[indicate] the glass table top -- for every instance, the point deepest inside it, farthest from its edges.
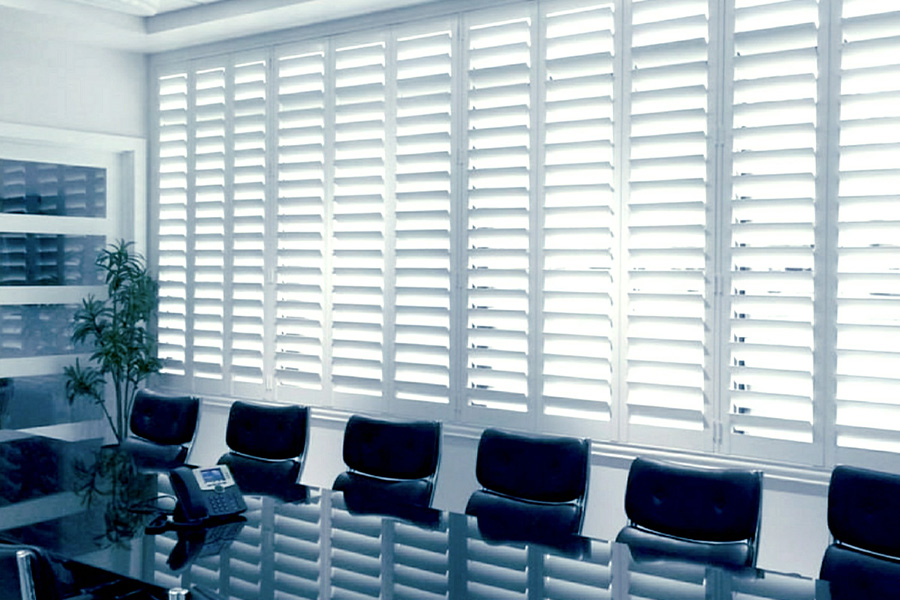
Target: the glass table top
(315, 547)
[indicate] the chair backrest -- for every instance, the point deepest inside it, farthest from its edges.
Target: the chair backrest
(859, 514)
(532, 467)
(709, 505)
(266, 431)
(163, 418)
(394, 450)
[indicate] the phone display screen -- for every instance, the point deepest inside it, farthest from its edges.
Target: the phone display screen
(212, 475)
(211, 478)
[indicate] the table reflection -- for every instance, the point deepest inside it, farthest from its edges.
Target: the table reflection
(322, 546)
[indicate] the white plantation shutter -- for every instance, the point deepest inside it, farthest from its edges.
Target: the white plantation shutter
(421, 562)
(249, 226)
(297, 551)
(493, 571)
(578, 213)
(208, 271)
(571, 578)
(172, 235)
(772, 225)
(356, 561)
(422, 216)
(868, 281)
(499, 203)
(300, 287)
(358, 219)
(666, 223)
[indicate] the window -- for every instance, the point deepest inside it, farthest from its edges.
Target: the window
(56, 218)
(662, 222)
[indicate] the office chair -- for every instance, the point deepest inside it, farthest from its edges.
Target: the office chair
(162, 428)
(266, 446)
(534, 487)
(389, 463)
(864, 520)
(710, 516)
(26, 574)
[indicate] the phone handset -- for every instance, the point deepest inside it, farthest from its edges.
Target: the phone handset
(205, 493)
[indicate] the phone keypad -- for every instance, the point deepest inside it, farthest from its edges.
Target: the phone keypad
(223, 503)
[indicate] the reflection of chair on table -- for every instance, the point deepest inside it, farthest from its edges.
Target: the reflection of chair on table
(864, 520)
(534, 488)
(162, 429)
(709, 516)
(391, 468)
(266, 446)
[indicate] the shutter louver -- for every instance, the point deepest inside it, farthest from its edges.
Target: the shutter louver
(666, 221)
(358, 220)
(249, 223)
(297, 550)
(421, 563)
(301, 220)
(493, 571)
(773, 220)
(423, 174)
(499, 203)
(355, 555)
(173, 222)
(208, 271)
(868, 281)
(567, 578)
(578, 210)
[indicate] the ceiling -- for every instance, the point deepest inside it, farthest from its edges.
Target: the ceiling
(150, 26)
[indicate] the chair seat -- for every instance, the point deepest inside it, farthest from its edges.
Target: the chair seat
(502, 517)
(415, 492)
(649, 546)
(150, 456)
(258, 477)
(856, 575)
(358, 503)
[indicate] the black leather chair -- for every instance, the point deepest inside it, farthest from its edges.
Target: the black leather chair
(390, 464)
(710, 516)
(26, 574)
(864, 519)
(266, 446)
(534, 487)
(162, 428)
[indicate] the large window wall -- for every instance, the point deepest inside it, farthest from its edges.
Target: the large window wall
(664, 222)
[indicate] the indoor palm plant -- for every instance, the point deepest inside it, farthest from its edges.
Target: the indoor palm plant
(117, 330)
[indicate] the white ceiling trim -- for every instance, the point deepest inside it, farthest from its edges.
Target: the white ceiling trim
(83, 21)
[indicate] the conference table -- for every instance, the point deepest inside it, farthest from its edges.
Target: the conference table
(93, 523)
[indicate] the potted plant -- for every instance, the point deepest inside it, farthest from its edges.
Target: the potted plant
(116, 328)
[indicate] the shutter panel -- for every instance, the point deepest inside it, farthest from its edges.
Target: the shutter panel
(172, 240)
(421, 562)
(422, 216)
(249, 226)
(499, 204)
(356, 561)
(868, 284)
(207, 274)
(773, 225)
(578, 211)
(301, 220)
(297, 550)
(358, 219)
(493, 571)
(666, 224)
(576, 578)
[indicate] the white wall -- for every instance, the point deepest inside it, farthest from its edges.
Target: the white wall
(61, 84)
